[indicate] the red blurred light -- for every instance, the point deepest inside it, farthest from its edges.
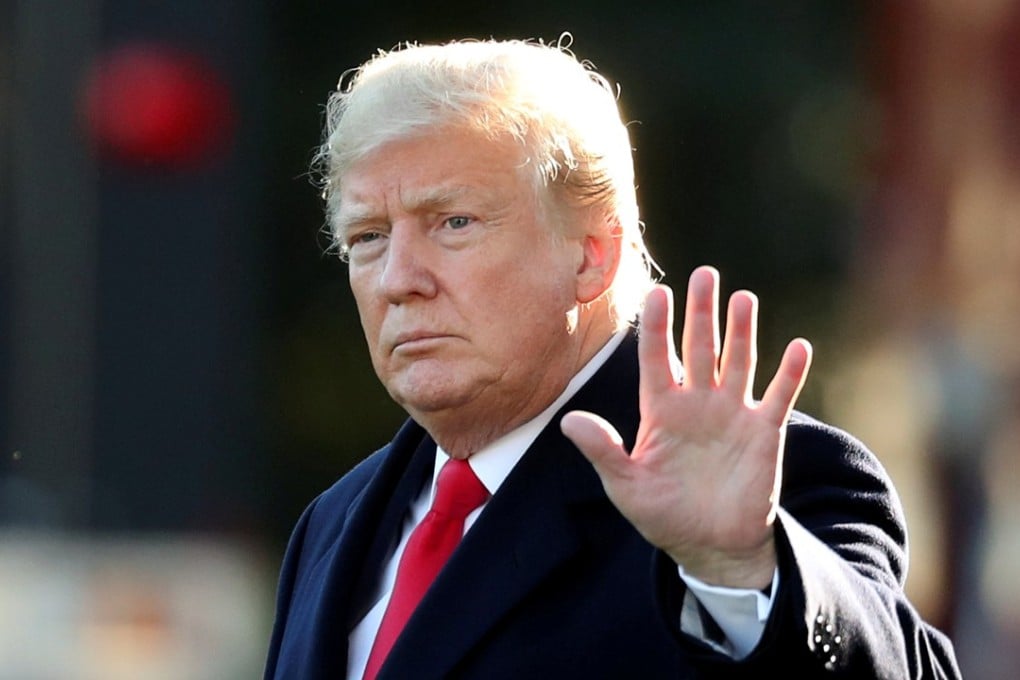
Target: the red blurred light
(148, 104)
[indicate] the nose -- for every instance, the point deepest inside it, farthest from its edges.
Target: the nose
(407, 270)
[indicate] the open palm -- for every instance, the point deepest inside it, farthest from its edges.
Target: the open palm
(702, 482)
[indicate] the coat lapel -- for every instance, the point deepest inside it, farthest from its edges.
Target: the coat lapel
(533, 525)
(392, 505)
(348, 572)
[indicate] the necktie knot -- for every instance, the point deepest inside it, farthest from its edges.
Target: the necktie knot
(458, 490)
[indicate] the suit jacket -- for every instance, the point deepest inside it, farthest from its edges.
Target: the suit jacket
(552, 581)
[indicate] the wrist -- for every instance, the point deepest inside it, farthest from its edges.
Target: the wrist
(752, 570)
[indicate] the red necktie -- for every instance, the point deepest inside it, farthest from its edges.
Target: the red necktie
(458, 492)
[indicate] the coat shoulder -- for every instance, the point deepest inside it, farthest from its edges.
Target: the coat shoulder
(332, 505)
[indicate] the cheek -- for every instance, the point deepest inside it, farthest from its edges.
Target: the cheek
(526, 305)
(361, 288)
(370, 313)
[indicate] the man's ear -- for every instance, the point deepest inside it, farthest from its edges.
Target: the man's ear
(600, 258)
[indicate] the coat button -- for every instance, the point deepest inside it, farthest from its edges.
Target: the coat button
(826, 642)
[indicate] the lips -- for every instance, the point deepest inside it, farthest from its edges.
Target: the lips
(410, 338)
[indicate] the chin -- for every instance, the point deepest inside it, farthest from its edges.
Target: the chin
(431, 387)
(429, 396)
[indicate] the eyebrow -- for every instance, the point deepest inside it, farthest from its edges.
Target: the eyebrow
(351, 216)
(431, 199)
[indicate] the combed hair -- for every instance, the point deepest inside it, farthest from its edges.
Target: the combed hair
(561, 110)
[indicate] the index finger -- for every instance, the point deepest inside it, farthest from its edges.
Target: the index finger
(656, 350)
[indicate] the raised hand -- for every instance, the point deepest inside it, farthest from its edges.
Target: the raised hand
(703, 480)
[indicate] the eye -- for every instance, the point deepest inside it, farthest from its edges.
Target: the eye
(360, 244)
(458, 221)
(362, 238)
(365, 237)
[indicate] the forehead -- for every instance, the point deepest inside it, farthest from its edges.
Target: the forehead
(438, 167)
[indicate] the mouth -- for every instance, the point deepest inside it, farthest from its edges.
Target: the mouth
(417, 340)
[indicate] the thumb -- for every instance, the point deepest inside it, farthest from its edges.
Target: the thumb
(598, 440)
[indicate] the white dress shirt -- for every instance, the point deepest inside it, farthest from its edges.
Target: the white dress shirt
(741, 614)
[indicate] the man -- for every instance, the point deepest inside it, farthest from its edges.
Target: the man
(636, 520)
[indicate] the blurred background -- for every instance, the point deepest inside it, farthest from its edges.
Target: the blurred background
(181, 366)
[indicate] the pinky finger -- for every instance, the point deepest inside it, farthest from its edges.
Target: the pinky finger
(782, 392)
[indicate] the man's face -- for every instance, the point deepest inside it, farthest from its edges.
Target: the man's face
(465, 291)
